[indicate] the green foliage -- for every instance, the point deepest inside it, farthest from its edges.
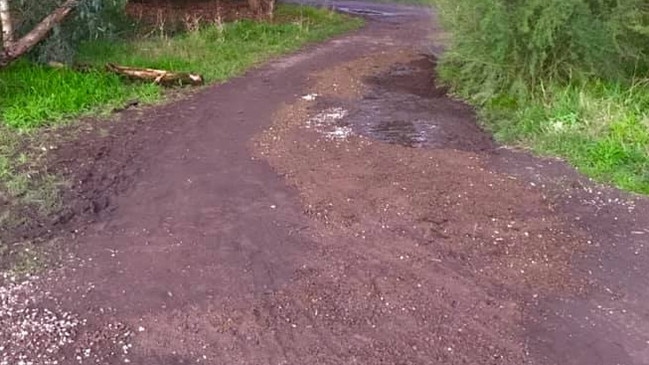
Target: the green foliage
(564, 77)
(518, 45)
(601, 127)
(92, 19)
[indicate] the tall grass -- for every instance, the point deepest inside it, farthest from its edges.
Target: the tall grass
(564, 77)
(516, 46)
(32, 95)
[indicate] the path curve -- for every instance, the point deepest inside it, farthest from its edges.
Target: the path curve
(336, 207)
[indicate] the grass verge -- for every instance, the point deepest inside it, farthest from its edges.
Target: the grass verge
(33, 95)
(600, 127)
(220, 51)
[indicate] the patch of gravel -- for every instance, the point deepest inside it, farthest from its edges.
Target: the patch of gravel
(35, 329)
(30, 332)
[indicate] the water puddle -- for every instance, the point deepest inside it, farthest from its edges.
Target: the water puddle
(405, 133)
(396, 118)
(402, 107)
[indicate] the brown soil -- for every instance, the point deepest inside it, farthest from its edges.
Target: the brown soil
(336, 207)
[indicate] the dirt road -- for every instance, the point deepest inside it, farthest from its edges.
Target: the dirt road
(336, 207)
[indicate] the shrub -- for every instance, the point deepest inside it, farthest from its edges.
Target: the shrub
(517, 46)
(563, 77)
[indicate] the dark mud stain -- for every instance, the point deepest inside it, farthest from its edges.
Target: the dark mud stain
(405, 106)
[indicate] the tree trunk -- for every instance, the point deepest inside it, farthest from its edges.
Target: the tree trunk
(6, 23)
(262, 9)
(162, 77)
(14, 49)
(255, 7)
(269, 8)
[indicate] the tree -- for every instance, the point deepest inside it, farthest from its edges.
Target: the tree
(58, 40)
(12, 47)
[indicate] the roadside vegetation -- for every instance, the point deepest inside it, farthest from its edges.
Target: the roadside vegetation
(564, 78)
(38, 96)
(34, 94)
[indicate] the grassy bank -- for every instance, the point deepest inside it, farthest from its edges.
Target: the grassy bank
(600, 127)
(563, 78)
(221, 51)
(33, 95)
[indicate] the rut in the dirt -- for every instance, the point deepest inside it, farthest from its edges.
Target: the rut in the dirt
(337, 207)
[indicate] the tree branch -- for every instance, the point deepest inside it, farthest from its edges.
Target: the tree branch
(14, 49)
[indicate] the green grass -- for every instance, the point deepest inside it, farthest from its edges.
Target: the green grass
(600, 127)
(33, 95)
(219, 52)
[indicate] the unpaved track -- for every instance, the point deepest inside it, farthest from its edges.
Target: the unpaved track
(375, 224)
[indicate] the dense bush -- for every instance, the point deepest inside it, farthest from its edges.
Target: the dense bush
(519, 45)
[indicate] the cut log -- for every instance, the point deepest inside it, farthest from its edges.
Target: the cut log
(162, 77)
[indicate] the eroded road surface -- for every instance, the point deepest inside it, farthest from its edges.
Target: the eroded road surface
(337, 207)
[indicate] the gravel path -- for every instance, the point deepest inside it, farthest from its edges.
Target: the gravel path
(334, 207)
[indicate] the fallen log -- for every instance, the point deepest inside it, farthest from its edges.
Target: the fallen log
(162, 77)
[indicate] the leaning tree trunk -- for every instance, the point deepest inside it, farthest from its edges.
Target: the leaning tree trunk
(6, 24)
(12, 48)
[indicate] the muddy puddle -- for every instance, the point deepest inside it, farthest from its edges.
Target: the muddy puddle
(404, 106)
(409, 124)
